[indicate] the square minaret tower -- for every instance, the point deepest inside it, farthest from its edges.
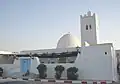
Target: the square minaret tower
(89, 29)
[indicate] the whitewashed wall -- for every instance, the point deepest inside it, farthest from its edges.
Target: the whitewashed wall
(51, 70)
(6, 52)
(35, 63)
(10, 69)
(114, 64)
(92, 62)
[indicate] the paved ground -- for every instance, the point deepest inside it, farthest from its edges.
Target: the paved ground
(28, 82)
(13, 81)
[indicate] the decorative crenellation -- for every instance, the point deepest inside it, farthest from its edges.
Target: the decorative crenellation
(89, 13)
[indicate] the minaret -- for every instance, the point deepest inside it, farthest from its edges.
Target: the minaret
(89, 29)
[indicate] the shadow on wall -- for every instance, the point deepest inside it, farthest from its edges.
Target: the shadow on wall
(6, 59)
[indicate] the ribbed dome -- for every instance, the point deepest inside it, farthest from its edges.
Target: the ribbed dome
(67, 41)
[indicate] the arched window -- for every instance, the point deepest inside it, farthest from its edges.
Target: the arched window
(86, 27)
(90, 27)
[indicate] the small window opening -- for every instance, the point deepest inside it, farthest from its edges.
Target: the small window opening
(90, 27)
(105, 53)
(86, 27)
(117, 54)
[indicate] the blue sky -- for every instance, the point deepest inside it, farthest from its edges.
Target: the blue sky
(38, 24)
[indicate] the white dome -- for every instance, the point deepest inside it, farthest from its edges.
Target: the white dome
(67, 41)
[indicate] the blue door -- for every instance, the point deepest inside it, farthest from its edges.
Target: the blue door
(25, 65)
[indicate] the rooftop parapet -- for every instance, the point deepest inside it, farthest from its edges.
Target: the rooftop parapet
(89, 13)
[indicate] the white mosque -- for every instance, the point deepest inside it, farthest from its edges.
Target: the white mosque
(69, 43)
(86, 55)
